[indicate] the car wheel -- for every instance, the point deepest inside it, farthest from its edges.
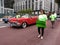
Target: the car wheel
(24, 25)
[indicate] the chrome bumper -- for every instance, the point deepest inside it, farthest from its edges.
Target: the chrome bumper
(15, 24)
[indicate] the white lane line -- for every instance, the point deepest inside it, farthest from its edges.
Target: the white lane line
(3, 26)
(58, 18)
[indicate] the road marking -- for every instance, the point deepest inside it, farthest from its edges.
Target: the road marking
(3, 26)
(58, 18)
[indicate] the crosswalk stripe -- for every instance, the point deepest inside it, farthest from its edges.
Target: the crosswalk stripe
(3, 26)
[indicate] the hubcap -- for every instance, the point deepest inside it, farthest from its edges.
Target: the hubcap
(24, 25)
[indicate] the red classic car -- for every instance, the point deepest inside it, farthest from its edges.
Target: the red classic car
(23, 20)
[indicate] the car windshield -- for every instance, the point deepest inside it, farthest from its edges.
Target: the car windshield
(26, 16)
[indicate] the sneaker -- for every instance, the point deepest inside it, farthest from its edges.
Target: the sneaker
(41, 37)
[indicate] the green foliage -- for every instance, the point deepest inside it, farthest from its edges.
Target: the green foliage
(57, 1)
(29, 11)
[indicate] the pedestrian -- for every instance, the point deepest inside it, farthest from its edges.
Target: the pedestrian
(49, 15)
(41, 23)
(18, 15)
(53, 17)
(55, 14)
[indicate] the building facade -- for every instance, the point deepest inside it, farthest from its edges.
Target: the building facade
(8, 3)
(4, 10)
(1, 6)
(36, 5)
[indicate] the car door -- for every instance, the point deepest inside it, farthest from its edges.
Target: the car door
(32, 20)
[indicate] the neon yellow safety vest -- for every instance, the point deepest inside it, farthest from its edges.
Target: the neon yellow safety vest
(53, 17)
(17, 16)
(42, 17)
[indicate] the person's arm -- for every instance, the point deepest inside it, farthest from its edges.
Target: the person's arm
(46, 18)
(55, 15)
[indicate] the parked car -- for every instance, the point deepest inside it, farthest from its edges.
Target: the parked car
(23, 21)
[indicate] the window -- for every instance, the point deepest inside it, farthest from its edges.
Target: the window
(36, 6)
(26, 4)
(8, 12)
(5, 11)
(32, 0)
(2, 3)
(11, 12)
(16, 7)
(36, 0)
(40, 5)
(32, 4)
(1, 10)
(29, 3)
(23, 5)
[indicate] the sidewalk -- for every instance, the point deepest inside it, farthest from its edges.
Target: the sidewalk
(0, 19)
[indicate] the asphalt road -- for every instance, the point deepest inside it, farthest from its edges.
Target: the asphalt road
(2, 24)
(28, 36)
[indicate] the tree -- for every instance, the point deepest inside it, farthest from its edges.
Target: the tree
(29, 11)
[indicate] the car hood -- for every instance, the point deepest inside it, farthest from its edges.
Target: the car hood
(15, 19)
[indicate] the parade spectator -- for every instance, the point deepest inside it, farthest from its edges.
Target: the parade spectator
(53, 17)
(41, 23)
(49, 15)
(18, 15)
(55, 14)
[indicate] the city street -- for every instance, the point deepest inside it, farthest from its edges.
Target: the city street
(28, 36)
(23, 13)
(2, 24)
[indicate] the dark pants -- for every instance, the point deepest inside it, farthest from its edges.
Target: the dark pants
(42, 30)
(52, 22)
